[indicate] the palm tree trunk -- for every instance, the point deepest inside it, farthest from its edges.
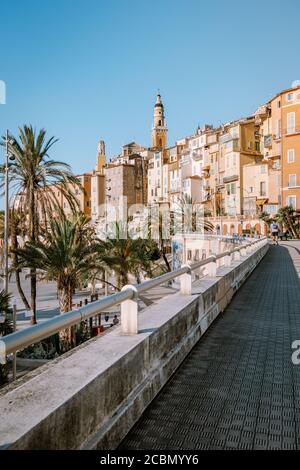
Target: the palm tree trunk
(14, 243)
(66, 336)
(20, 290)
(291, 225)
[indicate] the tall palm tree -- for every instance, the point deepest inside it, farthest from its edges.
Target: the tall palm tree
(286, 216)
(66, 253)
(36, 179)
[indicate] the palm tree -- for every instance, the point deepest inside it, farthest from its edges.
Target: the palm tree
(36, 179)
(125, 255)
(6, 327)
(189, 216)
(286, 216)
(66, 253)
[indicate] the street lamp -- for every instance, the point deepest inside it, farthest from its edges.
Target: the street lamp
(8, 157)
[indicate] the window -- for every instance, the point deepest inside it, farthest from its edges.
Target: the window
(292, 180)
(278, 128)
(290, 117)
(278, 104)
(263, 188)
(290, 96)
(291, 201)
(291, 155)
(189, 255)
(263, 169)
(231, 189)
(257, 146)
(251, 189)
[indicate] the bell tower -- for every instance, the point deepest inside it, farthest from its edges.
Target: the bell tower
(159, 129)
(101, 158)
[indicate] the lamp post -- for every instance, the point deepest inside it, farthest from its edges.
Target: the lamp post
(107, 196)
(6, 216)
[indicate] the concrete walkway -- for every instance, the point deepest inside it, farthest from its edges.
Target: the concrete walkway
(238, 388)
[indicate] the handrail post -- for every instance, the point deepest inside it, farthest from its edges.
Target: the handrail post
(212, 268)
(227, 260)
(244, 251)
(186, 281)
(129, 312)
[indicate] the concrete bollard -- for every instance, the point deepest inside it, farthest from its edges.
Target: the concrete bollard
(244, 251)
(212, 268)
(129, 313)
(186, 281)
(227, 261)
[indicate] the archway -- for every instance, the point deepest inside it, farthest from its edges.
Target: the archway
(225, 230)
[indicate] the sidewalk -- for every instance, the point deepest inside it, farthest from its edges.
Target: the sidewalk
(238, 388)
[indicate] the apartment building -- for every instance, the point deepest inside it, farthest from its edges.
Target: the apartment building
(158, 177)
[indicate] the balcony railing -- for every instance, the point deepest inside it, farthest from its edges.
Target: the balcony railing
(291, 130)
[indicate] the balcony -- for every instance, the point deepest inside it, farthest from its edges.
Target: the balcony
(232, 146)
(229, 179)
(291, 131)
(227, 138)
(197, 156)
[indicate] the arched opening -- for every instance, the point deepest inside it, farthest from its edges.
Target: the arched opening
(218, 230)
(240, 229)
(160, 143)
(159, 122)
(231, 229)
(225, 230)
(257, 229)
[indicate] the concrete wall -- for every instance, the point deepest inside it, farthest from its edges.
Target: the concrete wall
(90, 398)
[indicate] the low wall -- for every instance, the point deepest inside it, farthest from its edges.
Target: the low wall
(90, 398)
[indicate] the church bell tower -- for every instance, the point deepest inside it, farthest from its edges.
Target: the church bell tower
(159, 129)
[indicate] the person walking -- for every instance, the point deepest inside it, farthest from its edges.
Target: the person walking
(274, 231)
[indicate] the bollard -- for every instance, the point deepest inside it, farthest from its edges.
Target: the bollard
(244, 251)
(129, 312)
(227, 261)
(186, 281)
(212, 268)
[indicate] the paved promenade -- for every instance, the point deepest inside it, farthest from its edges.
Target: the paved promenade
(238, 388)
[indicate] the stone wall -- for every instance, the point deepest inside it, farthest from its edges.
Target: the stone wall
(90, 398)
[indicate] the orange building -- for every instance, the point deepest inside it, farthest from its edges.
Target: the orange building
(281, 140)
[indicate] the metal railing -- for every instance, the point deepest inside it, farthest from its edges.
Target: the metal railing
(127, 297)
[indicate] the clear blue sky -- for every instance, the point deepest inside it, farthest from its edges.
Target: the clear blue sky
(90, 69)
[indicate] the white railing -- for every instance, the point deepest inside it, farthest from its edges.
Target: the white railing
(127, 297)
